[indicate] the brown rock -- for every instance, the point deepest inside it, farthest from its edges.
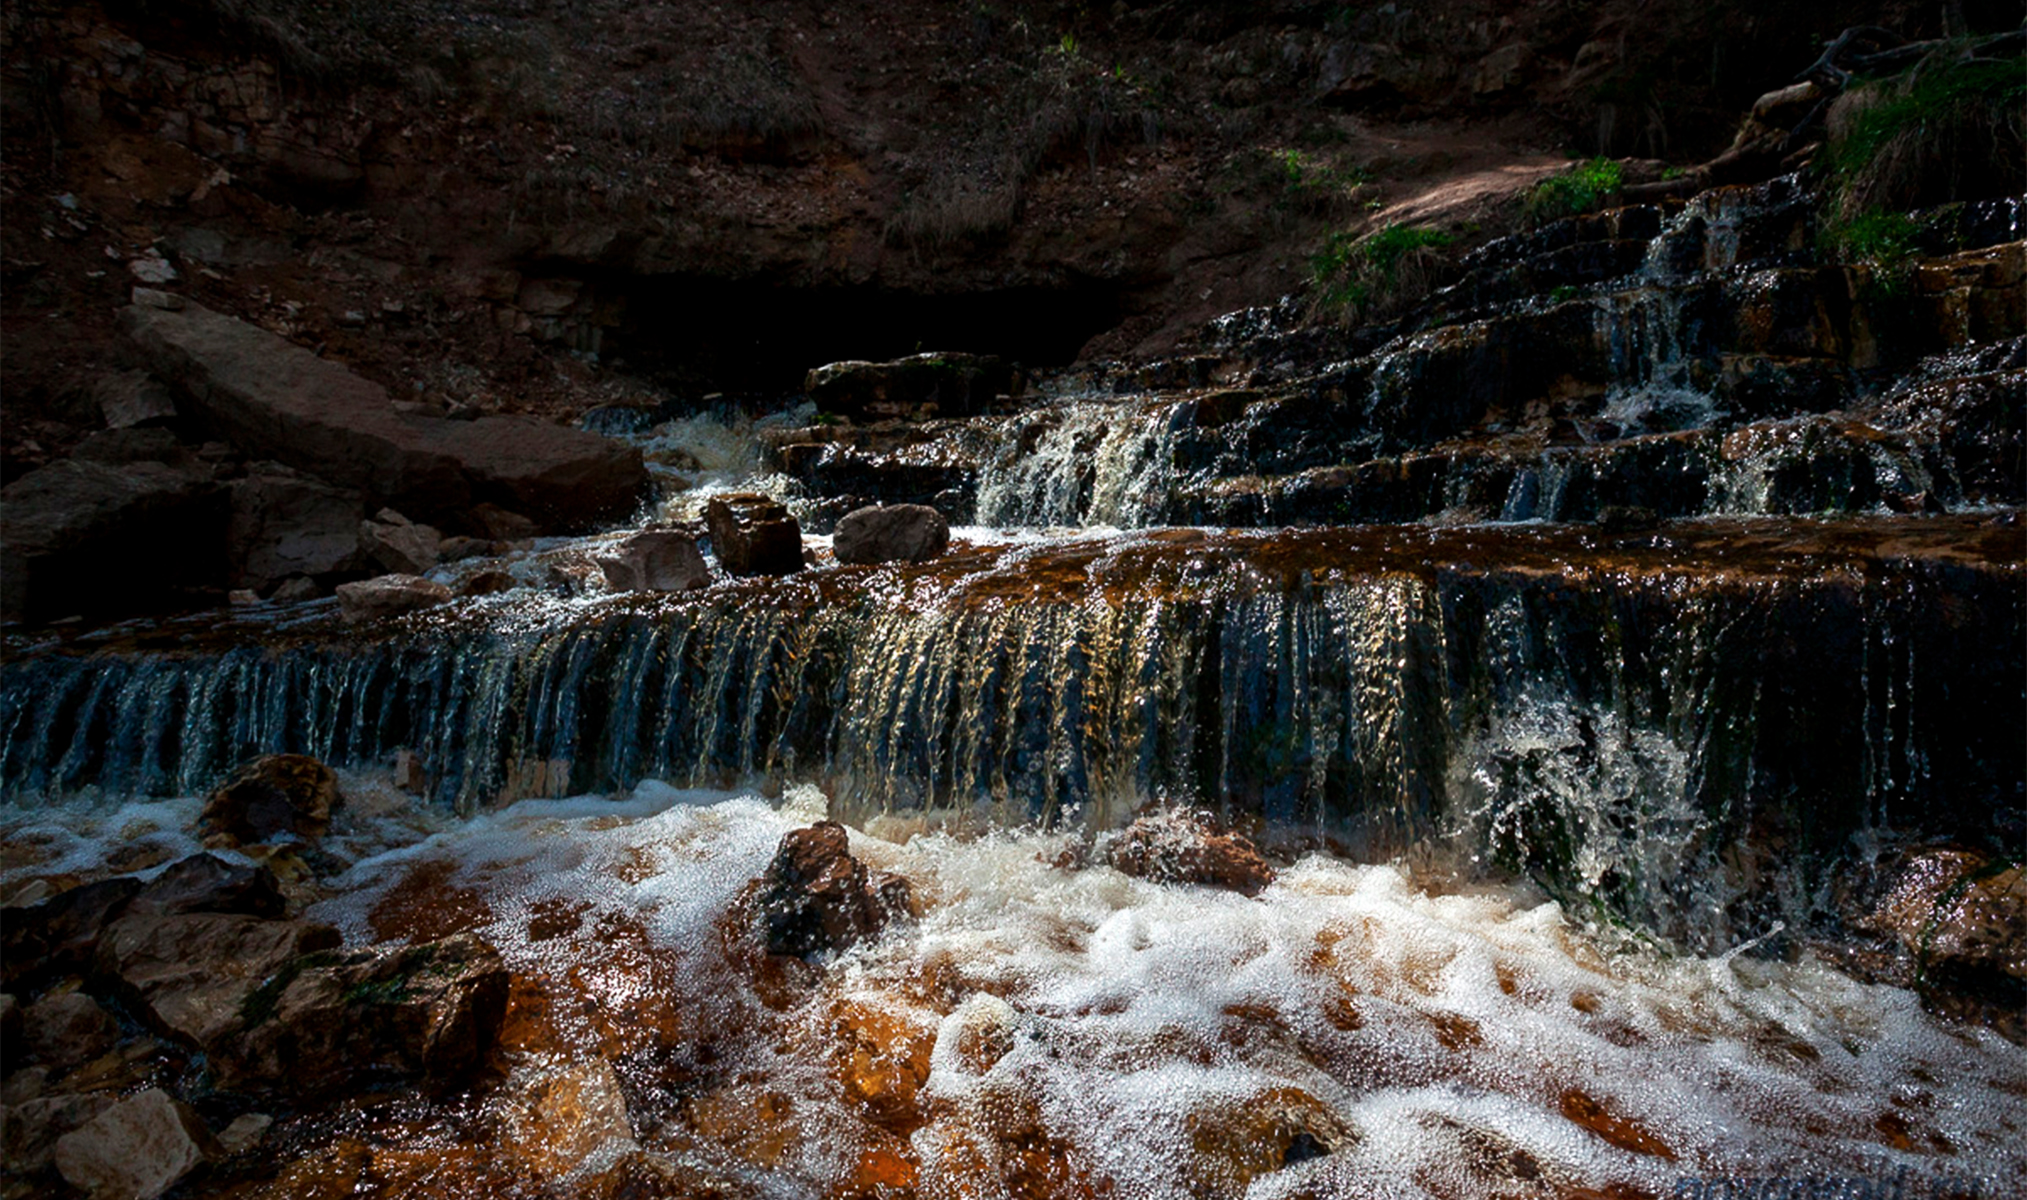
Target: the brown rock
(140, 1147)
(277, 797)
(815, 897)
(86, 537)
(63, 1030)
(657, 560)
(501, 525)
(278, 400)
(208, 883)
(389, 596)
(285, 525)
(431, 1011)
(569, 1121)
(488, 583)
(883, 1060)
(57, 935)
(457, 549)
(753, 535)
(954, 385)
(190, 976)
(1958, 908)
(891, 533)
(32, 1127)
(1580, 1108)
(1240, 1141)
(1180, 847)
(404, 548)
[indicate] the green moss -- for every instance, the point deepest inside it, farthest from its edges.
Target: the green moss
(1580, 189)
(260, 1003)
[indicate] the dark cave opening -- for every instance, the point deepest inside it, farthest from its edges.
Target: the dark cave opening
(758, 338)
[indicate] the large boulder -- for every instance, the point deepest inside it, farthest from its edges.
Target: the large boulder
(56, 936)
(389, 596)
(657, 560)
(429, 1011)
(891, 533)
(208, 883)
(89, 537)
(274, 798)
(284, 525)
(947, 384)
(815, 897)
(278, 400)
(753, 535)
(138, 1148)
(191, 976)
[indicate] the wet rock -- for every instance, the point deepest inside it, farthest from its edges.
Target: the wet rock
(86, 537)
(278, 400)
(657, 560)
(753, 535)
(569, 1121)
(1956, 908)
(883, 1056)
(457, 549)
(132, 399)
(1238, 1142)
(488, 583)
(32, 1126)
(891, 533)
(404, 547)
(65, 1029)
(389, 596)
(208, 883)
(57, 935)
(283, 525)
(815, 897)
(950, 384)
(157, 298)
(191, 976)
(10, 1019)
(1582, 1109)
(117, 447)
(139, 1148)
(1178, 847)
(277, 797)
(328, 1020)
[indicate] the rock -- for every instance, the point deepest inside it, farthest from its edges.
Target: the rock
(657, 560)
(957, 385)
(139, 1148)
(157, 298)
(429, 1011)
(86, 537)
(410, 775)
(208, 883)
(389, 596)
(405, 548)
(278, 400)
(753, 535)
(191, 976)
(457, 549)
(284, 526)
(243, 1134)
(296, 589)
(1178, 847)
(152, 268)
(274, 798)
(815, 897)
(10, 1021)
(883, 1055)
(501, 525)
(488, 583)
(891, 533)
(119, 447)
(57, 935)
(1239, 1141)
(32, 1126)
(61, 1031)
(131, 399)
(242, 596)
(1958, 909)
(569, 1121)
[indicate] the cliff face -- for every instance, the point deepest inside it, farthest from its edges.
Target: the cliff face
(513, 205)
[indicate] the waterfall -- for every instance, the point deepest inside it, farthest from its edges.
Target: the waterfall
(1604, 729)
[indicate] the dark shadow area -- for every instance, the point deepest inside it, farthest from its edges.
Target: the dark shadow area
(761, 338)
